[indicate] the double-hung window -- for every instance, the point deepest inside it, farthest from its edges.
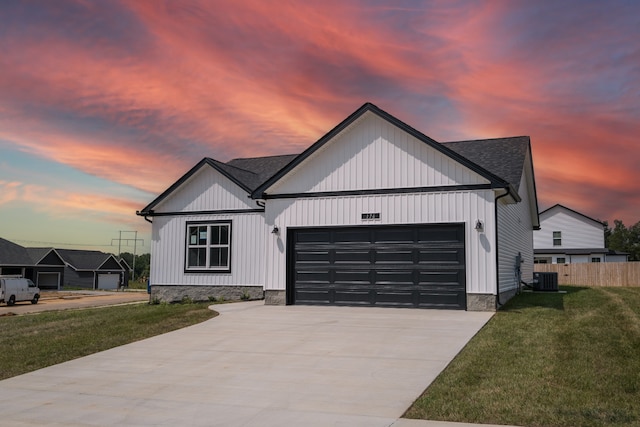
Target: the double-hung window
(557, 238)
(209, 247)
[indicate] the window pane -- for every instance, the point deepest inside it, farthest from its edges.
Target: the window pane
(202, 235)
(215, 235)
(219, 257)
(193, 235)
(197, 257)
(224, 234)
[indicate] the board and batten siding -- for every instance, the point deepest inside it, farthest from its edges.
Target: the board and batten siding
(168, 246)
(515, 235)
(413, 208)
(374, 154)
(577, 231)
(206, 190)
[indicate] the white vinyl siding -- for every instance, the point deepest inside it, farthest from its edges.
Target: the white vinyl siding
(247, 251)
(206, 190)
(577, 231)
(374, 154)
(415, 208)
(515, 235)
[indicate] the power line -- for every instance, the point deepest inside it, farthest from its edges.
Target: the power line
(57, 243)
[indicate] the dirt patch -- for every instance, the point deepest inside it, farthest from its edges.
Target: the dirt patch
(62, 300)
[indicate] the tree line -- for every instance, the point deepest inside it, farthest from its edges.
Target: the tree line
(141, 270)
(623, 239)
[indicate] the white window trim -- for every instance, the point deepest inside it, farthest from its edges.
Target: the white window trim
(208, 246)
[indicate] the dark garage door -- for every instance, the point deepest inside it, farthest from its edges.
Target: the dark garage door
(395, 266)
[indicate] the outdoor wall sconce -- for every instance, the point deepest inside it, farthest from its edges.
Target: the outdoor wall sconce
(275, 230)
(479, 226)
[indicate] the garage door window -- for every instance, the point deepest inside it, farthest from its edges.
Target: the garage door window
(208, 247)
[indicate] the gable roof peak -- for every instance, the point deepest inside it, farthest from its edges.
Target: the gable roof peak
(496, 181)
(558, 205)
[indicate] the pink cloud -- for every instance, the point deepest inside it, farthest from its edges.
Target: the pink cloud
(234, 79)
(63, 204)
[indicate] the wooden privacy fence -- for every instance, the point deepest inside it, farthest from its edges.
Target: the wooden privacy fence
(595, 273)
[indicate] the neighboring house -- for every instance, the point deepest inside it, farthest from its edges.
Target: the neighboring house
(567, 236)
(373, 213)
(43, 266)
(93, 269)
(127, 271)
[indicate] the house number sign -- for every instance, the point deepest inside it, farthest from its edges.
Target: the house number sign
(375, 215)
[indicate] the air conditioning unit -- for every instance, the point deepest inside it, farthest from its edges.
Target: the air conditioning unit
(545, 281)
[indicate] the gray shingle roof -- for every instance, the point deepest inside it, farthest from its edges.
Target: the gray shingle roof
(503, 157)
(83, 260)
(12, 254)
(36, 254)
(260, 168)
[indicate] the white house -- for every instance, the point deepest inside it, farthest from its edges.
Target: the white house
(374, 213)
(567, 236)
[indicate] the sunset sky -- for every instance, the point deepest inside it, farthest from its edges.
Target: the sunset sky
(104, 104)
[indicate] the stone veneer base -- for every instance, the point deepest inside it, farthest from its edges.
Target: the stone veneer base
(176, 293)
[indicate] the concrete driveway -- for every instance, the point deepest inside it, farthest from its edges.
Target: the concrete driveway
(254, 365)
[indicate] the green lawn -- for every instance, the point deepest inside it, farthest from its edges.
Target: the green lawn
(35, 341)
(547, 360)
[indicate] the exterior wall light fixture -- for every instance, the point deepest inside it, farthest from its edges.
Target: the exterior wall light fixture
(479, 226)
(275, 230)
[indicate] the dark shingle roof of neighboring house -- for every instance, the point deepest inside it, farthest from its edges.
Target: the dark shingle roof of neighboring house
(503, 157)
(37, 254)
(83, 260)
(12, 254)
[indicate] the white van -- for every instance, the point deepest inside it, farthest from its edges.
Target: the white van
(14, 289)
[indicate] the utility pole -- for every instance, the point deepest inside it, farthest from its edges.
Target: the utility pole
(127, 240)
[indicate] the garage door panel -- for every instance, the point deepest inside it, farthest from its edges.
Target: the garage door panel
(405, 256)
(108, 281)
(353, 256)
(48, 280)
(352, 276)
(313, 276)
(443, 256)
(449, 300)
(440, 277)
(395, 298)
(350, 236)
(398, 235)
(379, 265)
(314, 295)
(316, 257)
(397, 277)
(317, 236)
(352, 296)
